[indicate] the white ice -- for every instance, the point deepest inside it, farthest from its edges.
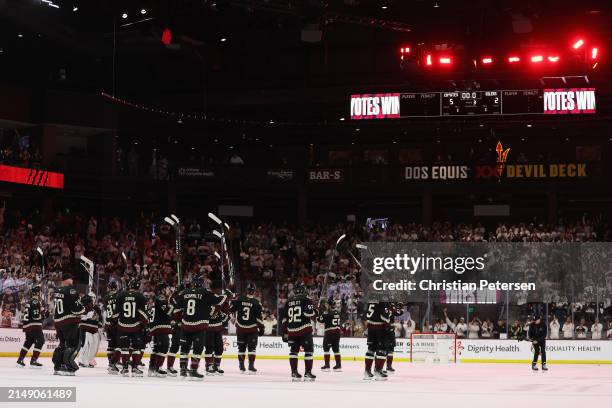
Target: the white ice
(413, 385)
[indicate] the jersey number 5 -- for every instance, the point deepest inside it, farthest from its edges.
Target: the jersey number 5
(371, 310)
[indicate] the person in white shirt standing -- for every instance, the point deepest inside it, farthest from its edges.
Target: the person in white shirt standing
(474, 328)
(596, 330)
(568, 328)
(582, 330)
(487, 329)
(554, 328)
(609, 332)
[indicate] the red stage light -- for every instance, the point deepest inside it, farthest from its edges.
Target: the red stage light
(553, 58)
(537, 58)
(594, 52)
(445, 60)
(405, 50)
(578, 44)
(487, 60)
(428, 60)
(514, 59)
(166, 37)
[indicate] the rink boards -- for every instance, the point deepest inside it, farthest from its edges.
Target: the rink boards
(468, 350)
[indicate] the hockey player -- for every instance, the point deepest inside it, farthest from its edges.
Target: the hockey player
(67, 309)
(132, 320)
(113, 351)
(90, 322)
(331, 339)
(33, 317)
(537, 336)
(249, 324)
(378, 318)
(175, 325)
(214, 341)
(160, 316)
(194, 308)
(395, 310)
(297, 316)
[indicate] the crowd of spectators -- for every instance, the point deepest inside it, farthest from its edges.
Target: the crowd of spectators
(18, 149)
(274, 256)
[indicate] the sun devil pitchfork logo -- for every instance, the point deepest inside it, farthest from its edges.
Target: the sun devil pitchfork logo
(502, 156)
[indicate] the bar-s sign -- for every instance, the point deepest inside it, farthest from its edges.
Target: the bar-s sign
(375, 106)
(569, 101)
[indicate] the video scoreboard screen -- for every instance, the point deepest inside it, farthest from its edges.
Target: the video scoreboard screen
(473, 103)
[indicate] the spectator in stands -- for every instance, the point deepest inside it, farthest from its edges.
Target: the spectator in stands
(568, 328)
(554, 328)
(609, 333)
(516, 331)
(596, 330)
(582, 330)
(487, 329)
(474, 328)
(441, 326)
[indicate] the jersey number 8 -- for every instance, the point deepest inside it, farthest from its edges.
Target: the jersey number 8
(191, 303)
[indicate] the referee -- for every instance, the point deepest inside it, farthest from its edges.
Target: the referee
(537, 335)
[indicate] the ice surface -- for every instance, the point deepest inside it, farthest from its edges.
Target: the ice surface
(423, 385)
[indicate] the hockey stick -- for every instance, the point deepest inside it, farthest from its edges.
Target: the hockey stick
(331, 262)
(89, 267)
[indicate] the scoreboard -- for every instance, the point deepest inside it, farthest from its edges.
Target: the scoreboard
(473, 103)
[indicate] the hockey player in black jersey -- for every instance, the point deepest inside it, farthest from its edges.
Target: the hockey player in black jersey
(249, 324)
(194, 307)
(214, 340)
(296, 320)
(175, 325)
(132, 320)
(331, 339)
(378, 317)
(537, 335)
(113, 351)
(67, 309)
(395, 310)
(160, 316)
(33, 317)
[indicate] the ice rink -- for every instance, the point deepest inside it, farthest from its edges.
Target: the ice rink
(457, 385)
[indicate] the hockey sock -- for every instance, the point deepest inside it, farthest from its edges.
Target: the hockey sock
(308, 362)
(183, 362)
(208, 358)
(252, 360)
(195, 363)
(153, 360)
(369, 359)
(35, 354)
(125, 357)
(326, 358)
(136, 357)
(293, 362)
(389, 360)
(22, 353)
(380, 363)
(218, 361)
(240, 359)
(159, 361)
(338, 359)
(116, 356)
(170, 360)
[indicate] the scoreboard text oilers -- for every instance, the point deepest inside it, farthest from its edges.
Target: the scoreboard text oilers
(474, 103)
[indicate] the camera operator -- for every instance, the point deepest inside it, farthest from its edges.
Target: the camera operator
(537, 334)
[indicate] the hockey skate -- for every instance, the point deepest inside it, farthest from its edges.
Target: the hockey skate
(113, 369)
(194, 375)
(125, 371)
(295, 376)
(379, 375)
(241, 368)
(20, 363)
(337, 369)
(326, 368)
(534, 367)
(137, 372)
(367, 375)
(35, 364)
(390, 370)
(252, 370)
(172, 372)
(544, 367)
(183, 373)
(309, 377)
(218, 370)
(210, 370)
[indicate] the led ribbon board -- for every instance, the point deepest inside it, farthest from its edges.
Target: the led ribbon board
(32, 177)
(473, 103)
